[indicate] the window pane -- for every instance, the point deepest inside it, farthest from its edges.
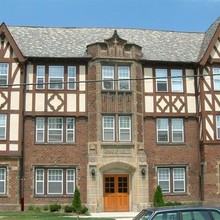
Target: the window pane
(70, 180)
(40, 129)
(216, 78)
(2, 180)
(177, 130)
(3, 74)
(108, 128)
(164, 179)
(107, 77)
(124, 73)
(161, 80)
(55, 129)
(179, 179)
(176, 80)
(71, 77)
(56, 77)
(70, 130)
(2, 126)
(40, 77)
(55, 181)
(218, 126)
(39, 181)
(125, 128)
(162, 130)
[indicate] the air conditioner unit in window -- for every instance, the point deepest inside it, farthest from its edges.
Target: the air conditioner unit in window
(108, 85)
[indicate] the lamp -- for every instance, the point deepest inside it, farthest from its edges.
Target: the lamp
(93, 172)
(143, 171)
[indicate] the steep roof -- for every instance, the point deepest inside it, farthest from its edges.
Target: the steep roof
(72, 42)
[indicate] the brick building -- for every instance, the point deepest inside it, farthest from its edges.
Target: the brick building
(115, 112)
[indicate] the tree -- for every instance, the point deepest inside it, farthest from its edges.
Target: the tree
(158, 197)
(76, 203)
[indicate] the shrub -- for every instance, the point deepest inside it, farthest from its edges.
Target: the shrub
(158, 197)
(46, 208)
(76, 203)
(33, 208)
(172, 203)
(55, 207)
(84, 210)
(68, 208)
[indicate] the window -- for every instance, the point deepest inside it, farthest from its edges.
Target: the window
(2, 181)
(161, 80)
(108, 77)
(3, 74)
(56, 77)
(40, 77)
(123, 77)
(216, 78)
(218, 126)
(3, 127)
(172, 180)
(71, 77)
(123, 126)
(54, 181)
(176, 80)
(170, 130)
(55, 129)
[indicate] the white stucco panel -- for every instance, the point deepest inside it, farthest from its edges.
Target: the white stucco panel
(148, 82)
(190, 83)
(15, 101)
(14, 127)
(163, 104)
(55, 102)
(7, 54)
(4, 100)
(208, 107)
(17, 75)
(209, 128)
(82, 102)
(28, 102)
(82, 78)
(30, 75)
(191, 104)
(13, 147)
(149, 104)
(39, 102)
(71, 102)
(2, 147)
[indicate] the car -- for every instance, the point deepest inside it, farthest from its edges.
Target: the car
(179, 213)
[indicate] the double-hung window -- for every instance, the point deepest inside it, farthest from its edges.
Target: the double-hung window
(108, 123)
(3, 74)
(108, 77)
(124, 128)
(40, 78)
(124, 78)
(39, 181)
(172, 180)
(55, 181)
(3, 123)
(176, 80)
(216, 78)
(55, 129)
(71, 77)
(56, 77)
(70, 181)
(218, 126)
(2, 181)
(170, 130)
(161, 80)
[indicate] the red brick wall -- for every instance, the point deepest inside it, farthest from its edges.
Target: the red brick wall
(174, 155)
(55, 155)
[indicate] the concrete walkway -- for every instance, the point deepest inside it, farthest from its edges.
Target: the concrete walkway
(115, 215)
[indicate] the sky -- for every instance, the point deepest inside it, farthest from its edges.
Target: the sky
(172, 15)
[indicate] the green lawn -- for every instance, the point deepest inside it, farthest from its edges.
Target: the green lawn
(43, 216)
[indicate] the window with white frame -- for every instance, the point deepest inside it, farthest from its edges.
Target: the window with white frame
(56, 77)
(170, 130)
(172, 180)
(3, 74)
(40, 77)
(124, 78)
(218, 126)
(71, 77)
(116, 128)
(216, 78)
(176, 80)
(3, 123)
(2, 181)
(55, 129)
(161, 80)
(53, 181)
(108, 77)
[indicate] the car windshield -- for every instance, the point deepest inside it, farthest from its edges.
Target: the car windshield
(143, 215)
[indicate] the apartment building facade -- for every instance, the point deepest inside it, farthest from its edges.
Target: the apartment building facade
(114, 112)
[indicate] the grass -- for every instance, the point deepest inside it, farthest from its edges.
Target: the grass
(43, 216)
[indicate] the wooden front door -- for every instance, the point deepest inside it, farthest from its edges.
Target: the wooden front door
(116, 192)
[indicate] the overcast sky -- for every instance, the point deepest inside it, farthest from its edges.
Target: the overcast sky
(173, 15)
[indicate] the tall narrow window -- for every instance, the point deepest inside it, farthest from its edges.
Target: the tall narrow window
(218, 126)
(70, 130)
(55, 129)
(161, 80)
(108, 77)
(2, 181)
(56, 77)
(40, 77)
(216, 78)
(3, 74)
(176, 80)
(70, 181)
(2, 126)
(123, 78)
(55, 181)
(124, 128)
(164, 179)
(71, 77)
(39, 184)
(162, 130)
(40, 129)
(179, 180)
(177, 130)
(108, 128)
